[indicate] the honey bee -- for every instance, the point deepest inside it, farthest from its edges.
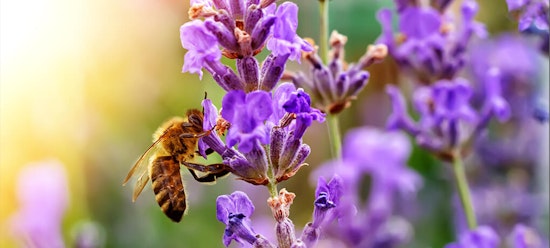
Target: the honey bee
(175, 144)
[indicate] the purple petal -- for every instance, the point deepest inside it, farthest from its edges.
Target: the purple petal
(224, 206)
(202, 46)
(384, 16)
(242, 203)
(419, 23)
(281, 95)
(284, 40)
(210, 114)
(231, 103)
(259, 103)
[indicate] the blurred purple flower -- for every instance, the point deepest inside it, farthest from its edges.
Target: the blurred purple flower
(285, 40)
(495, 104)
(202, 46)
(518, 76)
(447, 120)
(335, 85)
(399, 118)
(530, 12)
(451, 102)
(428, 46)
(42, 191)
(521, 207)
(246, 113)
(234, 211)
(327, 197)
(421, 24)
(382, 156)
(525, 237)
(482, 237)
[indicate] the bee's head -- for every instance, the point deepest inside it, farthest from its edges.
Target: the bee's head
(194, 116)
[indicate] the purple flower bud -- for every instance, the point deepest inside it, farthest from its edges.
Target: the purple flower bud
(285, 233)
(202, 46)
(272, 71)
(225, 76)
(262, 31)
(237, 9)
(285, 40)
(225, 37)
(249, 71)
(246, 113)
(234, 211)
(276, 146)
(253, 15)
(280, 207)
(482, 237)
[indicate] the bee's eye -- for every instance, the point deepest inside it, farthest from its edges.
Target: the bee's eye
(195, 120)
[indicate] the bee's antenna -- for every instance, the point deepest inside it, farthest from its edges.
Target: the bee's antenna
(203, 100)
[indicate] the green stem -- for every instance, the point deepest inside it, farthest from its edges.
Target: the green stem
(272, 183)
(464, 190)
(272, 188)
(323, 42)
(333, 124)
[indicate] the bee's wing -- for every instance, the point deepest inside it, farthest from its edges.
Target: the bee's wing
(140, 168)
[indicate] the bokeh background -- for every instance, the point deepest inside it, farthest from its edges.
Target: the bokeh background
(87, 83)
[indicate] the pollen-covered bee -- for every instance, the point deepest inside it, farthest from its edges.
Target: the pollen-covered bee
(175, 144)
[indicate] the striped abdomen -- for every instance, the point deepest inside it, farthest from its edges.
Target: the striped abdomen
(168, 187)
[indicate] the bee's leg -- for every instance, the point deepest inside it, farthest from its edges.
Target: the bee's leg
(213, 171)
(195, 135)
(208, 178)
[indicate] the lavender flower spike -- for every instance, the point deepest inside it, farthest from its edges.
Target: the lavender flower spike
(285, 40)
(234, 211)
(202, 46)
